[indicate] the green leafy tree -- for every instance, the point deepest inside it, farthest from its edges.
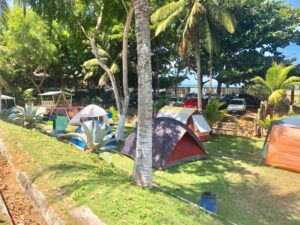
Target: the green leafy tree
(194, 17)
(275, 84)
(262, 28)
(30, 46)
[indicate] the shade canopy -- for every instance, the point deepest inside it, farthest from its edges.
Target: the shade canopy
(90, 111)
(5, 97)
(54, 93)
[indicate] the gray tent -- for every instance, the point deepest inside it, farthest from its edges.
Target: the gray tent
(173, 143)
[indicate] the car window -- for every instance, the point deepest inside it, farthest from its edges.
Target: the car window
(237, 102)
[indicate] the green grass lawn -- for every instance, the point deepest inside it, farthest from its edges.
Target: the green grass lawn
(70, 178)
(247, 193)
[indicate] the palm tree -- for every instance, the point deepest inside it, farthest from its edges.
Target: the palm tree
(213, 113)
(194, 17)
(3, 9)
(4, 6)
(275, 84)
(143, 161)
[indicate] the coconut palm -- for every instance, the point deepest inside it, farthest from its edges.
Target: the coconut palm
(274, 86)
(95, 137)
(26, 116)
(195, 17)
(143, 162)
(213, 112)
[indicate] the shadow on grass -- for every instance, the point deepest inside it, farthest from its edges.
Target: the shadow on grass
(243, 195)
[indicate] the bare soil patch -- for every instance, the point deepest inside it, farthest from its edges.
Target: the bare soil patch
(18, 203)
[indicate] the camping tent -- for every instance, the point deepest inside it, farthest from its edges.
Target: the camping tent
(190, 117)
(282, 145)
(173, 143)
(90, 111)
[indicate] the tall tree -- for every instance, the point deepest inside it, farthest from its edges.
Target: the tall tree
(193, 16)
(29, 44)
(143, 162)
(129, 14)
(122, 106)
(262, 29)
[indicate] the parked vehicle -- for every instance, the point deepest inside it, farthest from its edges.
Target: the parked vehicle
(193, 103)
(237, 105)
(251, 101)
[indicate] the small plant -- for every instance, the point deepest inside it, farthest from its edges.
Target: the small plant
(95, 138)
(159, 103)
(26, 116)
(267, 121)
(213, 112)
(114, 113)
(28, 95)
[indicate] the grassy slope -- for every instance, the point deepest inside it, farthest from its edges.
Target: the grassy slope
(247, 193)
(71, 178)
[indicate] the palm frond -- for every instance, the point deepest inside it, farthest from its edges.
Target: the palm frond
(283, 74)
(114, 68)
(262, 83)
(90, 63)
(276, 96)
(222, 17)
(167, 10)
(3, 9)
(167, 22)
(291, 82)
(272, 75)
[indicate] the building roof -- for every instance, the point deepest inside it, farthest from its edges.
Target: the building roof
(5, 97)
(53, 93)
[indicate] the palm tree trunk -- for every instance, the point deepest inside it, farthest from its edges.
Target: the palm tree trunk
(143, 161)
(0, 99)
(199, 78)
(122, 116)
(210, 72)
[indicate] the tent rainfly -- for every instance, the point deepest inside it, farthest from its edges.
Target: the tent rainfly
(282, 144)
(173, 143)
(8, 101)
(190, 117)
(89, 112)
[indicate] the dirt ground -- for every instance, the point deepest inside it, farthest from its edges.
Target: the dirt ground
(19, 205)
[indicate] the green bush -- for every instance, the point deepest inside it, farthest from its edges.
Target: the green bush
(159, 103)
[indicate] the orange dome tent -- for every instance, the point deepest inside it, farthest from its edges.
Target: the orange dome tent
(282, 145)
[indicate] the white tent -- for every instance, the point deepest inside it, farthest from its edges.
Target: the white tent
(90, 111)
(201, 123)
(188, 116)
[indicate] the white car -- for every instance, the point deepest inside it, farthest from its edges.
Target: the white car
(237, 105)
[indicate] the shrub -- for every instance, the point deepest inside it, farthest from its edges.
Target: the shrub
(213, 113)
(159, 103)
